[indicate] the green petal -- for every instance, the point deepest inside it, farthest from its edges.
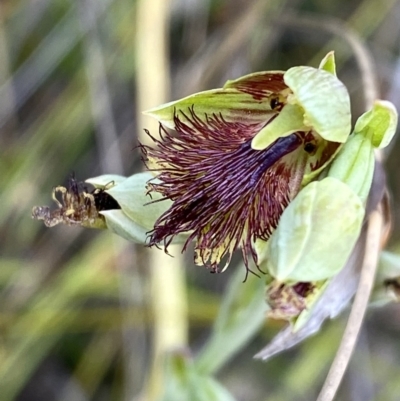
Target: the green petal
(289, 120)
(328, 63)
(316, 233)
(244, 100)
(380, 122)
(325, 101)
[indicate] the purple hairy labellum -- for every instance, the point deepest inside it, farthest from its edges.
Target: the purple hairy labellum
(225, 193)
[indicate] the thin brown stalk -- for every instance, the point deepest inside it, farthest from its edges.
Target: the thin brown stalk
(375, 229)
(343, 355)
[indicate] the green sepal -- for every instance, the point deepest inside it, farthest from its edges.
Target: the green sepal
(355, 165)
(138, 212)
(119, 223)
(244, 100)
(131, 194)
(380, 123)
(328, 63)
(324, 218)
(324, 99)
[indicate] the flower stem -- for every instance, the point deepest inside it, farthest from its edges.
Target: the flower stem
(167, 279)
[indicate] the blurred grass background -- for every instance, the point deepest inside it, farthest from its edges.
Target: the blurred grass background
(75, 312)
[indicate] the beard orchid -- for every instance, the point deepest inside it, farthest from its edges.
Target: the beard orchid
(237, 156)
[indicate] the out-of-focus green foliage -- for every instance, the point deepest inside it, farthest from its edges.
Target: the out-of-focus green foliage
(241, 314)
(74, 320)
(185, 382)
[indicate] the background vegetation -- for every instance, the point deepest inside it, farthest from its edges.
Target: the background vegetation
(77, 312)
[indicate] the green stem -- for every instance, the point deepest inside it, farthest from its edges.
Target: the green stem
(167, 279)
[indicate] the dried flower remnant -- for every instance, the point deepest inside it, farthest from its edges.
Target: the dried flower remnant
(288, 301)
(77, 206)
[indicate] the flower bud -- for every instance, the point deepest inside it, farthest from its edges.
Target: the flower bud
(379, 123)
(355, 162)
(138, 211)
